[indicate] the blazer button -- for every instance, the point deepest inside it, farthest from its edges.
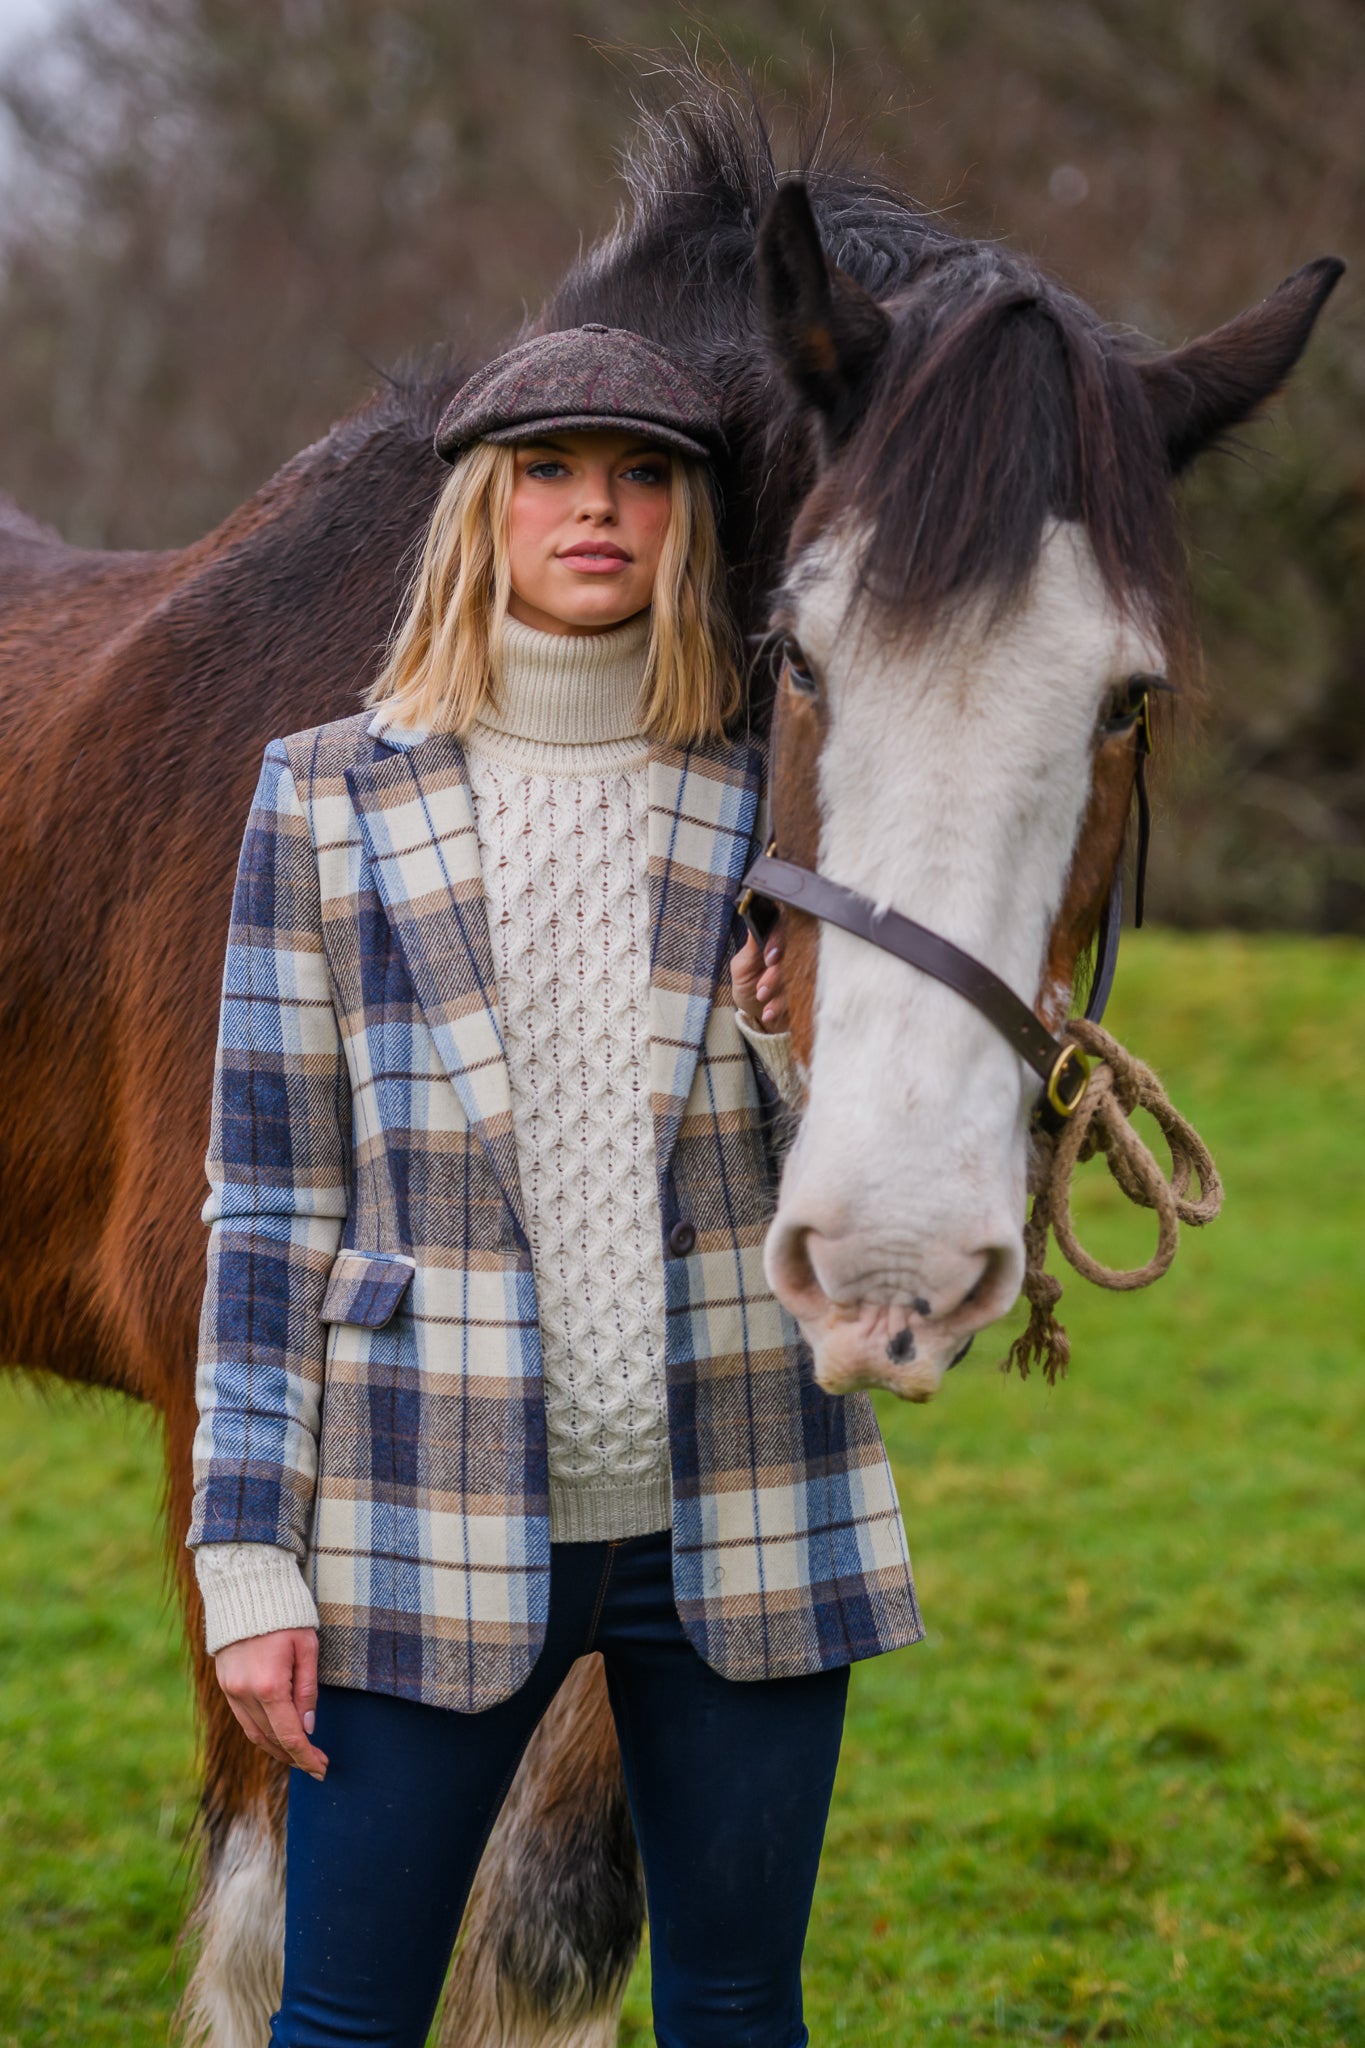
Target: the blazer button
(681, 1239)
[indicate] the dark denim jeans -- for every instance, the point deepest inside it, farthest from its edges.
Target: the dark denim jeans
(729, 1787)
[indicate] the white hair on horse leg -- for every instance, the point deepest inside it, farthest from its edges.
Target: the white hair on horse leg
(238, 1978)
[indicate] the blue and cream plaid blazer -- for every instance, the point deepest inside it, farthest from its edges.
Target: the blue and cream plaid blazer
(369, 1371)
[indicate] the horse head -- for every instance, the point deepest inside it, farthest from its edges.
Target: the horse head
(983, 594)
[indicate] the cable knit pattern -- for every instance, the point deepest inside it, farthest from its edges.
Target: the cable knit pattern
(559, 776)
(563, 841)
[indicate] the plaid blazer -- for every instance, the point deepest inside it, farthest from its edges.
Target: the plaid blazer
(369, 1360)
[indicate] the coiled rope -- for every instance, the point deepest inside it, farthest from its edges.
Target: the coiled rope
(1102, 1122)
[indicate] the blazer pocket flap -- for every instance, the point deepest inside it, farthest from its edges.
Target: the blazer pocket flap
(365, 1287)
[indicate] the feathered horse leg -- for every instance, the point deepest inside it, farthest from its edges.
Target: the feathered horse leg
(554, 1921)
(552, 1926)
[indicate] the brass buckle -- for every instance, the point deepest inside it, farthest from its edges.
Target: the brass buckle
(1071, 1069)
(760, 924)
(1144, 724)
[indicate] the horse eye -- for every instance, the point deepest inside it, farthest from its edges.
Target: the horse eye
(1125, 706)
(799, 670)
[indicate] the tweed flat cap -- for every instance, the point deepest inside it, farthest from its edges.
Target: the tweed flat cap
(588, 376)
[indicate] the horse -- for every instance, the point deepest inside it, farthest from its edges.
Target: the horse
(948, 518)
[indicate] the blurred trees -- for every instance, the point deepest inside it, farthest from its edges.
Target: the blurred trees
(221, 215)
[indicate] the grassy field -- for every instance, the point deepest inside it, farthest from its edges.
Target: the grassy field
(1116, 1795)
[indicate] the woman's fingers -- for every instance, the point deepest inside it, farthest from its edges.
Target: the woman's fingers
(287, 1728)
(254, 1730)
(271, 1682)
(745, 967)
(770, 993)
(306, 1678)
(757, 982)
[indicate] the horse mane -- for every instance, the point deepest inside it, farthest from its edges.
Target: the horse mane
(1001, 399)
(1002, 402)
(677, 263)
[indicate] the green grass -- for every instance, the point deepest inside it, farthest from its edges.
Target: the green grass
(1116, 1795)
(97, 1789)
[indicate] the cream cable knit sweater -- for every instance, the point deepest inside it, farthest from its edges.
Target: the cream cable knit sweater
(559, 778)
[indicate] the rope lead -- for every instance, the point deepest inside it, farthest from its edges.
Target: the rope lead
(1119, 1085)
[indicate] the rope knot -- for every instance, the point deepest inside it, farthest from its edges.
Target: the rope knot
(1118, 1086)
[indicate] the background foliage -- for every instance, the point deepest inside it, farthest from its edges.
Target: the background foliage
(1118, 1794)
(221, 214)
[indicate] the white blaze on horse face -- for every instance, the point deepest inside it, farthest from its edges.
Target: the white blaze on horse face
(953, 779)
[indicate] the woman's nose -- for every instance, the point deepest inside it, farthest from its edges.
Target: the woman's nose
(596, 499)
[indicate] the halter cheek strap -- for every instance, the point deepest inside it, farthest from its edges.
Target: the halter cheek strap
(1059, 1063)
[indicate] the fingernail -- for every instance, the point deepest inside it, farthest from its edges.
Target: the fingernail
(308, 1722)
(770, 955)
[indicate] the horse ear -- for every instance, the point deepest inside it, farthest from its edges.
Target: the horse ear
(824, 330)
(1198, 392)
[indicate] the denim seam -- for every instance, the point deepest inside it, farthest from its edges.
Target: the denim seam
(601, 1596)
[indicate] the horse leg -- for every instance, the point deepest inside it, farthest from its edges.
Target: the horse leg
(237, 1915)
(552, 1926)
(553, 1923)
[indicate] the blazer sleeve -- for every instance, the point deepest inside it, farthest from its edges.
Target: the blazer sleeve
(278, 1170)
(774, 1050)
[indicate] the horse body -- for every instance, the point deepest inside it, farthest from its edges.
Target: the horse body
(944, 758)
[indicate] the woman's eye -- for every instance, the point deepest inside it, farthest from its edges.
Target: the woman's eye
(647, 473)
(538, 468)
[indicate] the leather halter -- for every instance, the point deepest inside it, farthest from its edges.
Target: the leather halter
(1062, 1067)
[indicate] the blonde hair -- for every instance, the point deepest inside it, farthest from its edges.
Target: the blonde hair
(444, 659)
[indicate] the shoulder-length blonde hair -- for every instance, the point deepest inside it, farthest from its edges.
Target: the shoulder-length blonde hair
(444, 658)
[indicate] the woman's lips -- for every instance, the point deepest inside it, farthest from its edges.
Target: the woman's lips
(595, 564)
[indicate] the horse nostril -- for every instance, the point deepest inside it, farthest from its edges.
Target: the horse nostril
(791, 1271)
(989, 1282)
(901, 1348)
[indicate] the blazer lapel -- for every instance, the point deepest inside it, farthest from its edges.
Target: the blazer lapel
(703, 804)
(417, 816)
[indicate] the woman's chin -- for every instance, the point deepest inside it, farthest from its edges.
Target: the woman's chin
(596, 611)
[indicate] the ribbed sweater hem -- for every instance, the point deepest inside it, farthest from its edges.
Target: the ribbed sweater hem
(608, 1510)
(250, 1589)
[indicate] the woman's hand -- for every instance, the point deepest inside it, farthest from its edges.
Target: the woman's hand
(271, 1682)
(757, 982)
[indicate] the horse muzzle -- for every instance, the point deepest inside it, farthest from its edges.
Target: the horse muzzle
(901, 1325)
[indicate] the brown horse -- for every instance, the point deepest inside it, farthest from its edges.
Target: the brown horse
(950, 491)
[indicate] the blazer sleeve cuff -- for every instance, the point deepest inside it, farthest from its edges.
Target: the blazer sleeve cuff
(774, 1049)
(249, 1589)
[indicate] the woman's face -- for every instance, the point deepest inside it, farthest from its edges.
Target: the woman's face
(586, 526)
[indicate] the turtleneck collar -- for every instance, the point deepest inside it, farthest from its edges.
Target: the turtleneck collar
(569, 693)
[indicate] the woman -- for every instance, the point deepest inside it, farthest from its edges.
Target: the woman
(489, 1372)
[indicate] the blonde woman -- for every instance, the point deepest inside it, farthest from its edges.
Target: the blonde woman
(490, 1376)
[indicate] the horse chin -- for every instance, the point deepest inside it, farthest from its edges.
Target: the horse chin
(854, 1346)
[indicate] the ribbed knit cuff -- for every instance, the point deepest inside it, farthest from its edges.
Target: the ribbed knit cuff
(774, 1048)
(607, 1510)
(249, 1589)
